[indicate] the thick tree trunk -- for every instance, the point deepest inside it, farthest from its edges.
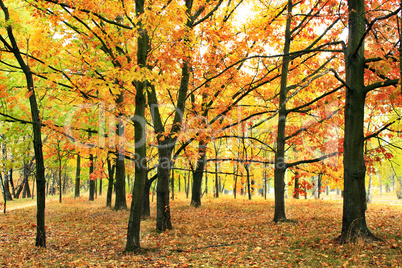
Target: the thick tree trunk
(77, 177)
(163, 220)
(354, 203)
(198, 174)
(280, 165)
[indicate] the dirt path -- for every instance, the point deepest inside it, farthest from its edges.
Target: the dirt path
(27, 204)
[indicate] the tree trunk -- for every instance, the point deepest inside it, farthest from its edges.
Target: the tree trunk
(110, 170)
(354, 204)
(140, 173)
(146, 208)
(185, 185)
(37, 138)
(11, 182)
(163, 221)
(6, 186)
(172, 182)
(26, 192)
(296, 191)
(198, 174)
(91, 180)
(280, 165)
(120, 177)
(247, 166)
(77, 177)
(216, 181)
(60, 183)
(4, 196)
(206, 178)
(319, 185)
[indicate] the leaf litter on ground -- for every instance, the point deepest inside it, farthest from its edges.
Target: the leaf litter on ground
(221, 233)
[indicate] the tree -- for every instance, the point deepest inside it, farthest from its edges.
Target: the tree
(134, 223)
(354, 205)
(13, 47)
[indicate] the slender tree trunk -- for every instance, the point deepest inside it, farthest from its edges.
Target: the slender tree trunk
(11, 182)
(280, 164)
(4, 196)
(172, 182)
(206, 178)
(319, 185)
(296, 191)
(247, 166)
(91, 180)
(120, 177)
(216, 181)
(60, 183)
(37, 138)
(146, 208)
(96, 188)
(140, 173)
(26, 192)
(110, 169)
(6, 185)
(198, 174)
(185, 185)
(77, 177)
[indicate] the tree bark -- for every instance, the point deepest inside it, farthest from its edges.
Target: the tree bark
(134, 223)
(146, 209)
(120, 177)
(59, 174)
(198, 174)
(354, 203)
(247, 167)
(280, 165)
(216, 181)
(77, 177)
(110, 170)
(163, 220)
(91, 180)
(296, 191)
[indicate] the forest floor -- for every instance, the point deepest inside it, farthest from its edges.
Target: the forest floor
(222, 233)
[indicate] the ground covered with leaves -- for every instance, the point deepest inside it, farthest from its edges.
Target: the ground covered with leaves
(221, 233)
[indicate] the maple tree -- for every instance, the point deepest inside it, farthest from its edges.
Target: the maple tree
(354, 205)
(172, 86)
(13, 47)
